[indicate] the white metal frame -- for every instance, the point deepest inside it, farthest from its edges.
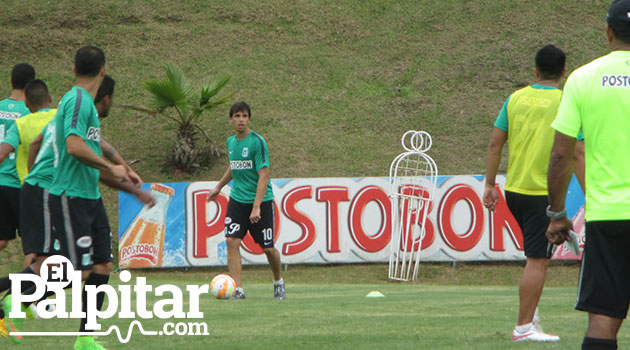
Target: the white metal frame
(413, 180)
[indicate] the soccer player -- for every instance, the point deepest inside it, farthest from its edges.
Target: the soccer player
(78, 216)
(18, 140)
(525, 122)
(596, 100)
(11, 109)
(250, 207)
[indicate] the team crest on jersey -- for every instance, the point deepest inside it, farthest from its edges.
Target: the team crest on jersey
(93, 134)
(245, 152)
(228, 220)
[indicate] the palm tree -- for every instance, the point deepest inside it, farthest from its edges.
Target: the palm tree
(175, 99)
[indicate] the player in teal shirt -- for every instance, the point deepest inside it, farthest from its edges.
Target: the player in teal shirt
(77, 212)
(250, 207)
(11, 109)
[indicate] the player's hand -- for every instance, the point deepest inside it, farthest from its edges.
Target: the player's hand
(146, 198)
(254, 217)
(558, 230)
(490, 197)
(119, 172)
(134, 177)
(212, 195)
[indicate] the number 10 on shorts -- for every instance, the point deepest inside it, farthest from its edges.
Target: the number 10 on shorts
(267, 234)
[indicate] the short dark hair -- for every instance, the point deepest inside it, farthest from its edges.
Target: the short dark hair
(36, 92)
(89, 60)
(106, 88)
(21, 74)
(240, 106)
(550, 62)
(618, 19)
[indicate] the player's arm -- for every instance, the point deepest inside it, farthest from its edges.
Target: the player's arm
(10, 142)
(142, 195)
(227, 177)
(77, 148)
(34, 149)
(558, 178)
(5, 150)
(110, 153)
(493, 160)
(578, 163)
(261, 189)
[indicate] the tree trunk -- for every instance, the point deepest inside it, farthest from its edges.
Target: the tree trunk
(184, 153)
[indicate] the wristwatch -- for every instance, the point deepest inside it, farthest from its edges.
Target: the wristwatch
(556, 215)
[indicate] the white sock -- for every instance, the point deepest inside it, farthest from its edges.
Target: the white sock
(523, 328)
(281, 281)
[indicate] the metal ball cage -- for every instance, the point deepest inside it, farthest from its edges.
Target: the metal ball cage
(413, 180)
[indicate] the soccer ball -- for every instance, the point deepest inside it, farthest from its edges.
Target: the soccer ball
(222, 286)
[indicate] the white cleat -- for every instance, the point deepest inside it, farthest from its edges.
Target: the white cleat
(534, 335)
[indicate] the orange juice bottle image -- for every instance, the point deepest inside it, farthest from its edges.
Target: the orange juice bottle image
(142, 245)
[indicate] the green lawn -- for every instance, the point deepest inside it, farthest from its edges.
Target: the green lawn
(338, 316)
(471, 306)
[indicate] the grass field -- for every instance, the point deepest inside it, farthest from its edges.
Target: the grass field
(326, 308)
(333, 85)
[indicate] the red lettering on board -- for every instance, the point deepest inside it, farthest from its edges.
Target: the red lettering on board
(470, 238)
(500, 219)
(332, 195)
(203, 226)
(379, 240)
(289, 204)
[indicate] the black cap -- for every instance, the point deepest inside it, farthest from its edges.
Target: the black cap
(618, 17)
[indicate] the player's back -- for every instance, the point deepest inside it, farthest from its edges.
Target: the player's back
(530, 137)
(602, 93)
(10, 111)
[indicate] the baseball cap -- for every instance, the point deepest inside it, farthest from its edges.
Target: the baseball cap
(618, 17)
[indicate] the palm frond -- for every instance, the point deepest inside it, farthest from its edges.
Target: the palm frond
(173, 92)
(209, 90)
(212, 105)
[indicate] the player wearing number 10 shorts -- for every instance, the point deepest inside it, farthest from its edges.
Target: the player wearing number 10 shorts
(250, 207)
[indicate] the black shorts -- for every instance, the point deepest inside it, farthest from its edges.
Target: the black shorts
(35, 227)
(81, 229)
(237, 222)
(605, 275)
(9, 212)
(530, 213)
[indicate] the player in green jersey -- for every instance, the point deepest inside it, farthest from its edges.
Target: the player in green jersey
(250, 207)
(596, 100)
(524, 121)
(18, 140)
(11, 109)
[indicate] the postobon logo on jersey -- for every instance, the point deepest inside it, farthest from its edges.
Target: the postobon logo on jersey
(93, 134)
(241, 164)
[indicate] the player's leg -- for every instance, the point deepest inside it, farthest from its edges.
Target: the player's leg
(9, 214)
(234, 259)
(263, 233)
(9, 224)
(236, 226)
(531, 287)
(530, 213)
(101, 257)
(604, 289)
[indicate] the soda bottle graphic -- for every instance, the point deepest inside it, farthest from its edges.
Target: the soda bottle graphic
(142, 245)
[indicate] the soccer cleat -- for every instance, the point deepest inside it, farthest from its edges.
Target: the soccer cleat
(12, 324)
(87, 343)
(3, 329)
(534, 335)
(278, 291)
(536, 323)
(238, 295)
